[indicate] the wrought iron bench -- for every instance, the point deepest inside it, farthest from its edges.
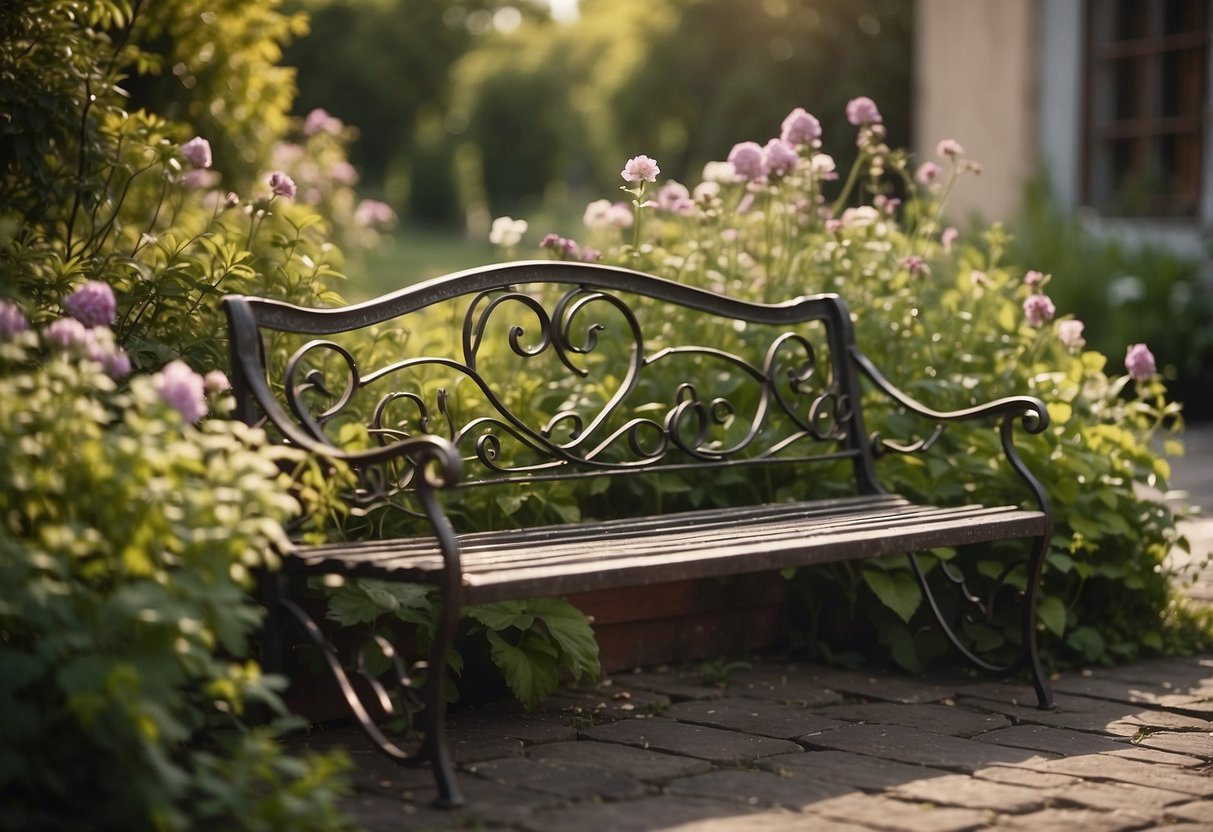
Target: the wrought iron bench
(558, 373)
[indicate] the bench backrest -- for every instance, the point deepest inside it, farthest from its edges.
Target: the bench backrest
(554, 370)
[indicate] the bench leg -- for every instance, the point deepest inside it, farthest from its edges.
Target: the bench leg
(433, 744)
(1030, 655)
(1044, 693)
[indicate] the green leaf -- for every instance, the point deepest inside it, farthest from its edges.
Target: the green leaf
(1088, 642)
(1052, 613)
(531, 669)
(502, 615)
(571, 631)
(899, 591)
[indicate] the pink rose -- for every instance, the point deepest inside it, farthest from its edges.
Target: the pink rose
(1139, 361)
(1039, 309)
(862, 110)
(640, 169)
(749, 160)
(93, 304)
(197, 151)
(800, 127)
(282, 185)
(183, 390)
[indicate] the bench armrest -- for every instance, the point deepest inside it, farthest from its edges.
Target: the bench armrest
(1031, 410)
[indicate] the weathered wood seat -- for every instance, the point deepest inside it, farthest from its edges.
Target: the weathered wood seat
(564, 374)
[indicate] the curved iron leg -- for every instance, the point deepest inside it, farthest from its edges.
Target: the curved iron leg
(1044, 694)
(434, 745)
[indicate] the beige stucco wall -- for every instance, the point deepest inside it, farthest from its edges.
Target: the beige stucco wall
(975, 81)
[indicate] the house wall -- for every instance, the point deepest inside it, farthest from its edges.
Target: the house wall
(977, 71)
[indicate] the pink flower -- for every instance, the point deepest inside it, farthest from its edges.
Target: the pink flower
(833, 226)
(200, 180)
(216, 382)
(1139, 361)
(978, 278)
(1069, 333)
(282, 185)
(949, 148)
(93, 304)
(590, 255)
(1033, 278)
(197, 151)
(319, 121)
(66, 333)
(800, 127)
(862, 110)
(675, 198)
(343, 173)
(640, 169)
(12, 320)
(117, 364)
(781, 157)
(916, 266)
(1039, 309)
(565, 248)
(182, 389)
(927, 173)
(948, 238)
(372, 212)
(749, 160)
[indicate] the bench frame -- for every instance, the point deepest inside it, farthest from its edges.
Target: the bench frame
(426, 464)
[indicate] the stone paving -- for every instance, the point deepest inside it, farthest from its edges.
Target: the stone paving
(803, 747)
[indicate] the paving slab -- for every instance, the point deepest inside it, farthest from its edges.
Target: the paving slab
(608, 699)
(1200, 811)
(1194, 743)
(699, 741)
(650, 813)
(942, 719)
(910, 745)
(571, 780)
(1068, 743)
(814, 686)
(1082, 713)
(1105, 767)
(1110, 797)
(854, 770)
(1025, 777)
(794, 789)
(753, 716)
(880, 812)
(675, 685)
(1073, 820)
(972, 793)
(650, 766)
(1196, 702)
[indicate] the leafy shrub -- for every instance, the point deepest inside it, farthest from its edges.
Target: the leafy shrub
(128, 535)
(952, 322)
(127, 542)
(1125, 293)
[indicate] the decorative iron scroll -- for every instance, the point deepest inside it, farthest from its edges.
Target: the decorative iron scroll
(780, 398)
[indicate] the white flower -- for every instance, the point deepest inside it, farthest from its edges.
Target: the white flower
(507, 232)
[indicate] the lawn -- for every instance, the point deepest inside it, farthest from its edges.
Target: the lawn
(411, 255)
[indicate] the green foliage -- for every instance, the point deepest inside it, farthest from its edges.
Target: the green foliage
(947, 319)
(532, 639)
(1125, 293)
(127, 543)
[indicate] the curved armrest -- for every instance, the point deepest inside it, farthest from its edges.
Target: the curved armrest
(423, 451)
(1033, 411)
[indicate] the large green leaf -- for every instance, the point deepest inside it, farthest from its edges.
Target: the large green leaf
(571, 631)
(502, 615)
(1052, 612)
(531, 669)
(899, 591)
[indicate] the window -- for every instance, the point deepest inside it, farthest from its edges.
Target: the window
(1147, 80)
